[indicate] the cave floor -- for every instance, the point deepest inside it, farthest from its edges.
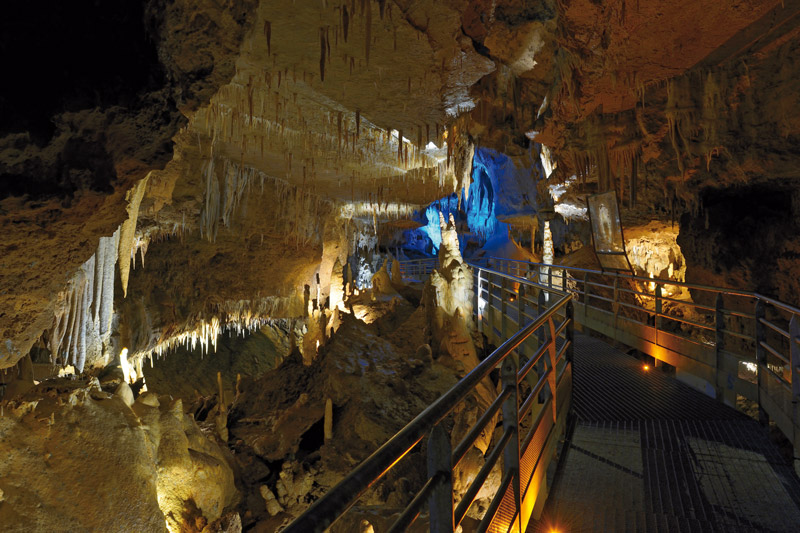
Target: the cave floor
(645, 452)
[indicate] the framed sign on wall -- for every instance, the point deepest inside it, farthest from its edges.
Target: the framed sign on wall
(607, 238)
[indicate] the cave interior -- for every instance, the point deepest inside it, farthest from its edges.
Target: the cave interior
(205, 208)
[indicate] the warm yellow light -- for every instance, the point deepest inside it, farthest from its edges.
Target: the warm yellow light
(128, 373)
(647, 367)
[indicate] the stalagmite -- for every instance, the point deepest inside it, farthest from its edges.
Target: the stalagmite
(221, 419)
(349, 280)
(397, 276)
(337, 285)
(273, 506)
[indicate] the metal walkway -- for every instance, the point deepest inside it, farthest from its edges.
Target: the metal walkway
(644, 451)
(648, 453)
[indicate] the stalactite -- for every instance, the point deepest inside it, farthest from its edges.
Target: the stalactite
(345, 21)
(209, 217)
(368, 29)
(322, 50)
(128, 231)
(82, 321)
(338, 132)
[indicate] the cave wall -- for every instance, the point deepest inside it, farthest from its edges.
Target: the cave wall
(99, 93)
(746, 237)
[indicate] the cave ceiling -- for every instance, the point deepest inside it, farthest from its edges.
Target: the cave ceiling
(259, 125)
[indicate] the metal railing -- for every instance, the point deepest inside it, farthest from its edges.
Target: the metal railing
(534, 360)
(741, 345)
(418, 269)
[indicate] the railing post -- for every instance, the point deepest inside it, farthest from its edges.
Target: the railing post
(794, 356)
(586, 296)
(724, 378)
(504, 308)
(658, 311)
(761, 360)
(477, 299)
(489, 311)
(508, 376)
(440, 502)
(570, 331)
(615, 306)
(540, 308)
(794, 362)
(521, 319)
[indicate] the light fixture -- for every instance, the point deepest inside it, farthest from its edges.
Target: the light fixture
(646, 367)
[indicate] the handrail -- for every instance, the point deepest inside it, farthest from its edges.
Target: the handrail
(493, 288)
(671, 336)
(326, 510)
(722, 290)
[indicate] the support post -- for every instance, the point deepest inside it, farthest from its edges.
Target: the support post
(440, 502)
(522, 320)
(585, 297)
(794, 356)
(794, 361)
(724, 384)
(761, 361)
(477, 300)
(540, 308)
(615, 306)
(504, 292)
(570, 333)
(489, 310)
(658, 311)
(508, 376)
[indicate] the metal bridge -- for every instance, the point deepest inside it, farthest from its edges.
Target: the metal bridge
(643, 450)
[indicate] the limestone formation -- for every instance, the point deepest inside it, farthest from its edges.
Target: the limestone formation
(382, 283)
(337, 290)
(266, 156)
(163, 467)
(448, 299)
(273, 507)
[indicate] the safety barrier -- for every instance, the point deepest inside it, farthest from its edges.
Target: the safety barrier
(534, 360)
(740, 347)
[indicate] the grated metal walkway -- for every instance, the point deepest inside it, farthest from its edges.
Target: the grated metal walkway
(646, 452)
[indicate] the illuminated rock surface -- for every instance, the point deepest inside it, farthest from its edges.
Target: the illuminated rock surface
(176, 172)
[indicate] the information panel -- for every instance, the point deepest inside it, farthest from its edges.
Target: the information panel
(609, 244)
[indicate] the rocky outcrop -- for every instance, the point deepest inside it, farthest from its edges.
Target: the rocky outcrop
(79, 458)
